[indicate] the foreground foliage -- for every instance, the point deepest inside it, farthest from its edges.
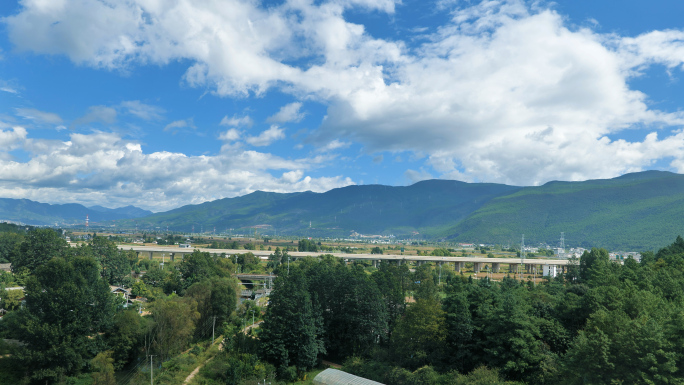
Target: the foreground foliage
(601, 322)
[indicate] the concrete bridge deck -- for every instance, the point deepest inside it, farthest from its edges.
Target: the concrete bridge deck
(478, 262)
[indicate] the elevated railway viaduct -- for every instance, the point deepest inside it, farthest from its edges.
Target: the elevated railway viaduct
(514, 264)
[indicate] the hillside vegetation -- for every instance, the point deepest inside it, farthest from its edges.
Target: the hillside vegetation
(638, 211)
(423, 207)
(35, 213)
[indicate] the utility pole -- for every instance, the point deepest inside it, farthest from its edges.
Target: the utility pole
(212, 330)
(288, 265)
(440, 274)
(522, 256)
(151, 379)
(253, 316)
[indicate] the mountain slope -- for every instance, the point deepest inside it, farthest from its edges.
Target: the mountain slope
(35, 213)
(636, 211)
(372, 209)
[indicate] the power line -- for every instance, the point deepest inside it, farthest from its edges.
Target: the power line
(127, 378)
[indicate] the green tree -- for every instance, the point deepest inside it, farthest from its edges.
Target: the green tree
(592, 262)
(292, 328)
(275, 259)
(424, 284)
(125, 336)
(174, 325)
(248, 261)
(512, 338)
(140, 289)
(215, 298)
(392, 281)
(224, 295)
(115, 264)
(419, 336)
(307, 245)
(8, 243)
(103, 369)
(68, 306)
(11, 299)
(196, 267)
(615, 348)
(460, 329)
(38, 247)
(155, 277)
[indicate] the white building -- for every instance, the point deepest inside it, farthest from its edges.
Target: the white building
(550, 271)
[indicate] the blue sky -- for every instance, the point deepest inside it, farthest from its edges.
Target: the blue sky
(164, 103)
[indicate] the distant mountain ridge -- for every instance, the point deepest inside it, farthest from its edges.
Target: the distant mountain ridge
(368, 209)
(45, 214)
(636, 211)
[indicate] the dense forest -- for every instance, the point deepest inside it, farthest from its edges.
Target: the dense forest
(602, 322)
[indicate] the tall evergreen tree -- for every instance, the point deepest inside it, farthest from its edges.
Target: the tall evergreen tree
(68, 306)
(292, 328)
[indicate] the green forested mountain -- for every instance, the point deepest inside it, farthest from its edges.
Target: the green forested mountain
(35, 213)
(636, 211)
(633, 212)
(424, 207)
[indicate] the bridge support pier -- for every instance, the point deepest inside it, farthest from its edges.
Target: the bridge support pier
(150, 255)
(496, 267)
(514, 267)
(172, 256)
(375, 263)
(477, 266)
(458, 266)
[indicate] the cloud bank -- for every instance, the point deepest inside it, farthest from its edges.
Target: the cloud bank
(502, 92)
(98, 167)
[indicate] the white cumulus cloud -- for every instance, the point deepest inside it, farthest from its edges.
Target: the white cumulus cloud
(504, 91)
(266, 137)
(177, 124)
(230, 135)
(235, 121)
(288, 113)
(102, 168)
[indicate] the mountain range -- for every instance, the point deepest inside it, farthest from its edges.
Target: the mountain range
(43, 214)
(637, 211)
